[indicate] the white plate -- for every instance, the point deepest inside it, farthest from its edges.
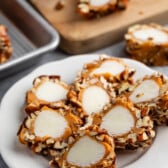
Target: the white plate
(11, 115)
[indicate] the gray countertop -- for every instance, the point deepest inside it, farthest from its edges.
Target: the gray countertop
(6, 83)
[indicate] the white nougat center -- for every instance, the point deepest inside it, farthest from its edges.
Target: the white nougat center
(156, 35)
(94, 98)
(51, 92)
(146, 91)
(50, 123)
(118, 121)
(111, 67)
(98, 2)
(86, 152)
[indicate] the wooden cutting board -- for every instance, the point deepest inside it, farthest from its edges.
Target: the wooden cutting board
(79, 35)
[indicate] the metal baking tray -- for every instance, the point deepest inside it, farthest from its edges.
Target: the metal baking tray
(30, 34)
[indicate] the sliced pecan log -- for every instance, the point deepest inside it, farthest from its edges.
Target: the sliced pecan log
(47, 90)
(148, 44)
(92, 8)
(130, 126)
(92, 148)
(48, 131)
(5, 45)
